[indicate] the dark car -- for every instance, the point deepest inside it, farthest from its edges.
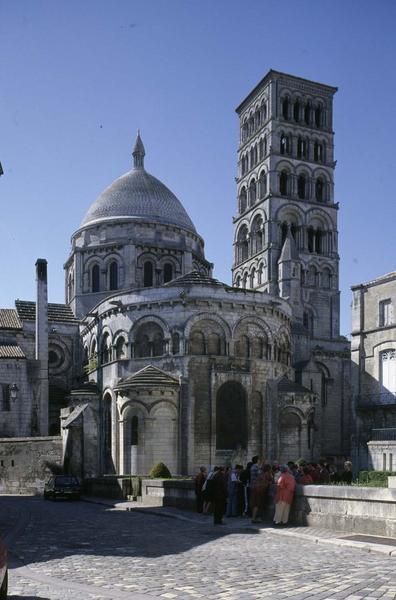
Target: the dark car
(62, 486)
(3, 571)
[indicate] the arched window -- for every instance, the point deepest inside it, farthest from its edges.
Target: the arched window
(134, 431)
(319, 189)
(252, 192)
(242, 244)
(301, 186)
(231, 417)
(307, 113)
(312, 276)
(283, 183)
(244, 281)
(196, 343)
(244, 132)
(296, 111)
(318, 116)
(252, 278)
(284, 144)
(113, 275)
(242, 346)
(311, 239)
(175, 343)
(285, 108)
(95, 274)
(106, 349)
(168, 272)
(242, 200)
(149, 340)
(257, 234)
(284, 228)
(326, 278)
(318, 152)
(251, 154)
(302, 148)
(260, 275)
(120, 348)
(261, 150)
(148, 274)
(263, 112)
(262, 184)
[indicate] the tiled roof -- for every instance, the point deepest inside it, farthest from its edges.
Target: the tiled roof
(149, 377)
(11, 352)
(60, 313)
(9, 319)
(195, 278)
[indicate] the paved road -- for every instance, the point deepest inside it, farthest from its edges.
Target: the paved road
(69, 551)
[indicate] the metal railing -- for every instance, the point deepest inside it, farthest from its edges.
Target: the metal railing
(383, 434)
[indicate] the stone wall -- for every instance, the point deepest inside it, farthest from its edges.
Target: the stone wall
(382, 455)
(343, 508)
(25, 463)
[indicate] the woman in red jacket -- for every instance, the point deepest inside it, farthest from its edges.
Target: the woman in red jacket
(285, 488)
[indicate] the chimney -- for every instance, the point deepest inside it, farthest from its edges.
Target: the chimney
(42, 342)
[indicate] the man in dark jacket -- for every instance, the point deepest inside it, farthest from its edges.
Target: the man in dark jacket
(219, 495)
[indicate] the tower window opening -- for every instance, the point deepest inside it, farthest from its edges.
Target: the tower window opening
(301, 186)
(168, 272)
(242, 200)
(301, 148)
(262, 184)
(284, 144)
(307, 113)
(283, 183)
(134, 431)
(318, 152)
(95, 273)
(318, 116)
(252, 192)
(296, 111)
(319, 189)
(148, 274)
(113, 275)
(285, 109)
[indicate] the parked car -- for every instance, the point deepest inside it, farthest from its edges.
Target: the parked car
(62, 486)
(3, 571)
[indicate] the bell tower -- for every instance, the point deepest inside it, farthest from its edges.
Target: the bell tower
(286, 223)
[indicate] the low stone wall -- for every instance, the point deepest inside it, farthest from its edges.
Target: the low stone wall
(114, 487)
(347, 508)
(169, 492)
(344, 508)
(25, 463)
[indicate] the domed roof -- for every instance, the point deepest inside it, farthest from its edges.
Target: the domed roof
(138, 195)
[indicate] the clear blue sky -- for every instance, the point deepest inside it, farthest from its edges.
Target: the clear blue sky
(77, 79)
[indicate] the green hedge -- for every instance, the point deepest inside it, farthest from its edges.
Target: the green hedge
(374, 478)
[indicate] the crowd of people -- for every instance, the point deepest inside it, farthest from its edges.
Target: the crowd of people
(249, 491)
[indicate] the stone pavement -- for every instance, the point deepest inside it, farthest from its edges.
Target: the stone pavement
(64, 551)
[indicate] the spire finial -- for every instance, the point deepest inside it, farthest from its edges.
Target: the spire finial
(138, 152)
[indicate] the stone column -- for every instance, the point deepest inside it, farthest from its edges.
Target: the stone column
(121, 426)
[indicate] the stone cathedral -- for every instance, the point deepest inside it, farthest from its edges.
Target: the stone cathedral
(151, 358)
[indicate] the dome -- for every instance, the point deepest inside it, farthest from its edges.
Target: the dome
(138, 195)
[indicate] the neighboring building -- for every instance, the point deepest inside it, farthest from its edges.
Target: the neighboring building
(373, 354)
(175, 366)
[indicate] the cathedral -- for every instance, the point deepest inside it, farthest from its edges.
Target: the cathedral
(153, 359)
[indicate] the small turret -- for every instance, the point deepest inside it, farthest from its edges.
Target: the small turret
(138, 153)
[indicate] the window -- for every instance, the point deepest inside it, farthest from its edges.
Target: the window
(301, 186)
(283, 181)
(284, 144)
(301, 148)
(307, 113)
(6, 397)
(385, 312)
(296, 111)
(113, 276)
(168, 272)
(388, 371)
(285, 109)
(252, 192)
(318, 152)
(242, 200)
(319, 189)
(262, 184)
(318, 116)
(95, 278)
(120, 348)
(134, 431)
(148, 274)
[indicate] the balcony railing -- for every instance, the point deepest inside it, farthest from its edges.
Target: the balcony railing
(376, 400)
(383, 434)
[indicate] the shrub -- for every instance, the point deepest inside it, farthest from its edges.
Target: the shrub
(160, 470)
(374, 478)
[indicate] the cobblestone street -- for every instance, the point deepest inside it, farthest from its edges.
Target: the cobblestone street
(62, 551)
